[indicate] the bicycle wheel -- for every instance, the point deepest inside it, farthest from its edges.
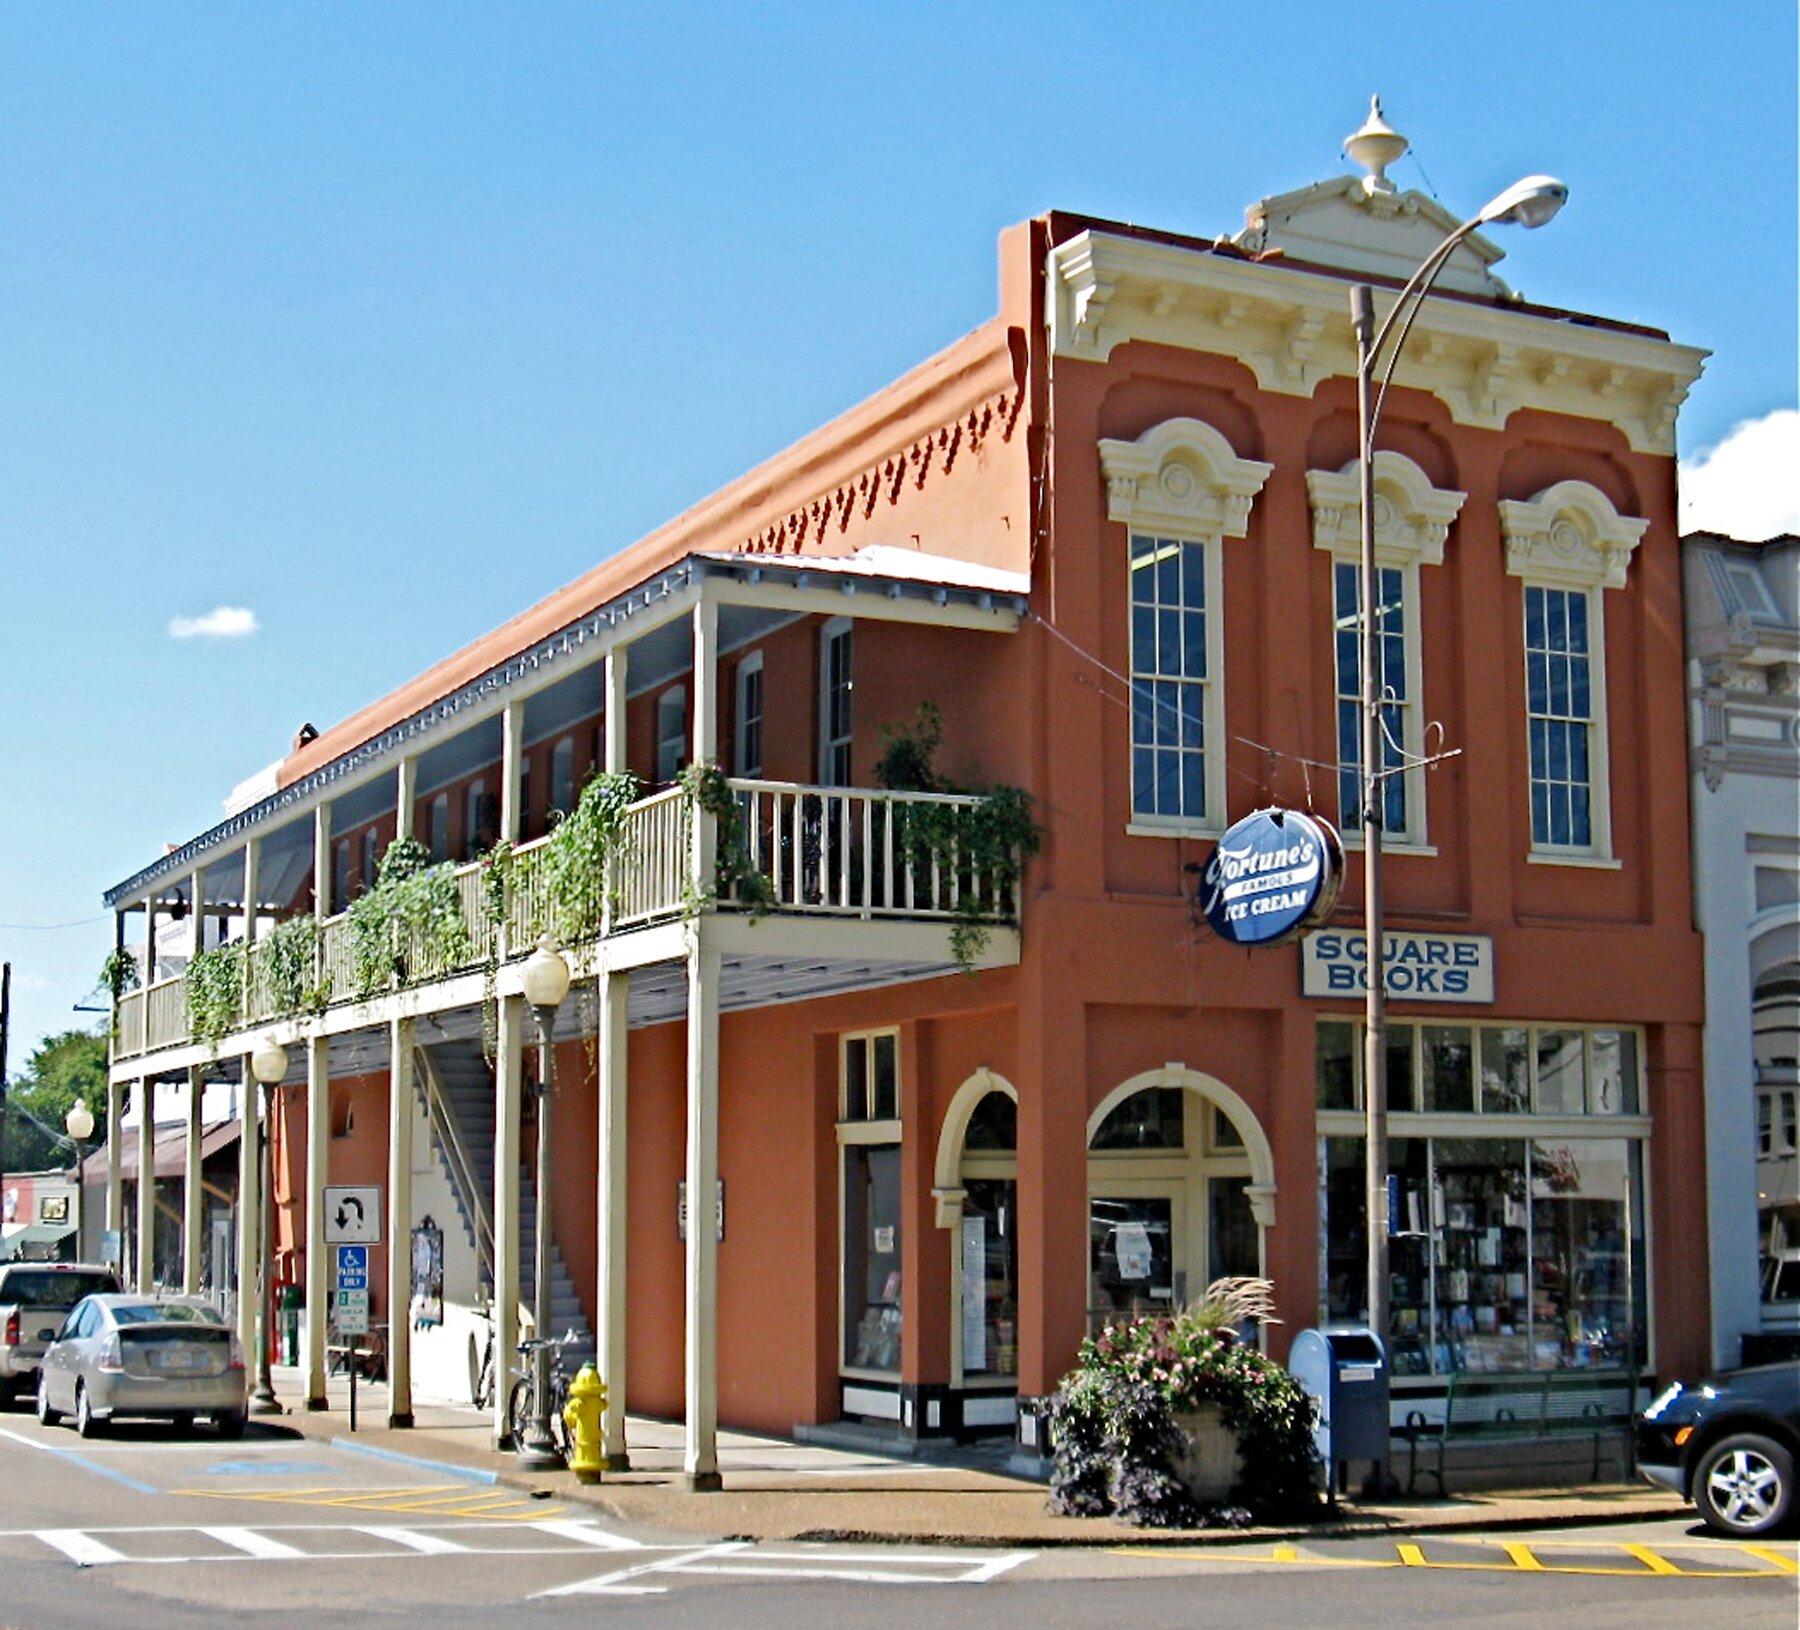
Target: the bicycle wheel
(559, 1427)
(519, 1407)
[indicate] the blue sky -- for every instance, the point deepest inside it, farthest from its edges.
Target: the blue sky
(381, 321)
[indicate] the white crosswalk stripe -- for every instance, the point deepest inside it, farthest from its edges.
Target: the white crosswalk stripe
(414, 1539)
(80, 1548)
(251, 1543)
(586, 1533)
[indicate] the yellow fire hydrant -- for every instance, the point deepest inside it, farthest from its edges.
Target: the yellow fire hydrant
(583, 1415)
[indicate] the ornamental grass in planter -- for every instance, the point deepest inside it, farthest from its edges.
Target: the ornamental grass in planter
(1175, 1421)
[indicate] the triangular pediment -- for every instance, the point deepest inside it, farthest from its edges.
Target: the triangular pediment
(1343, 223)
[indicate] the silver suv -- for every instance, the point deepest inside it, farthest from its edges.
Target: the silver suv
(35, 1298)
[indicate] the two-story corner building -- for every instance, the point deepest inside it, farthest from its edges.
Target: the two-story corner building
(1743, 641)
(1107, 535)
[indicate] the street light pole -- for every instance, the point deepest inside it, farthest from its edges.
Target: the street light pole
(546, 985)
(1528, 203)
(268, 1066)
(79, 1124)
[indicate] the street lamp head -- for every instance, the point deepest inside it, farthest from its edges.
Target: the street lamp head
(1528, 203)
(79, 1122)
(269, 1062)
(546, 976)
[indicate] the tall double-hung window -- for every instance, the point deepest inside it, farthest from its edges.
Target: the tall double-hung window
(1170, 674)
(1567, 545)
(1181, 492)
(1559, 716)
(837, 688)
(1412, 524)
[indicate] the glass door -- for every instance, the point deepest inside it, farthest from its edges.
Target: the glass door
(1137, 1257)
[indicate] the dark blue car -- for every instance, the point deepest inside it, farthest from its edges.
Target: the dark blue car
(1730, 1446)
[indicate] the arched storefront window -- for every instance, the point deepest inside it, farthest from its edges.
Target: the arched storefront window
(1180, 1187)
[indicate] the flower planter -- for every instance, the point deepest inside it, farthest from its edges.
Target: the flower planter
(1208, 1466)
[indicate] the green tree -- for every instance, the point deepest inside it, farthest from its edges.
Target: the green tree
(62, 1068)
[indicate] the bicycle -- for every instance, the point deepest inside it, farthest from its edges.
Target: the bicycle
(522, 1402)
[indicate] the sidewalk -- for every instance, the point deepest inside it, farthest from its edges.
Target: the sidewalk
(777, 1489)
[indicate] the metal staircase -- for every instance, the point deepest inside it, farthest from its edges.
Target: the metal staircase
(458, 1088)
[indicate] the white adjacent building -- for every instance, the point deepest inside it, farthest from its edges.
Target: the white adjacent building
(1743, 645)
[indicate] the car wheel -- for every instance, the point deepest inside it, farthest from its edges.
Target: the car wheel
(1744, 1485)
(230, 1423)
(87, 1423)
(45, 1414)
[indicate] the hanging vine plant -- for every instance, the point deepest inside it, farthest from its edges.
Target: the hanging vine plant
(215, 993)
(981, 846)
(410, 925)
(736, 878)
(287, 959)
(119, 973)
(579, 873)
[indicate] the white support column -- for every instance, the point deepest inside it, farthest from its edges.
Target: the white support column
(249, 1213)
(323, 904)
(252, 881)
(115, 1183)
(509, 1072)
(406, 794)
(399, 1222)
(706, 732)
(145, 1266)
(614, 758)
(193, 1194)
(512, 746)
(318, 1174)
(700, 1456)
(610, 1297)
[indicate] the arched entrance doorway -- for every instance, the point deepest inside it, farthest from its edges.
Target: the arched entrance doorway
(975, 1191)
(1181, 1191)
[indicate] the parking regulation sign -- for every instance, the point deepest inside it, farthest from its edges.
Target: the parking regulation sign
(350, 1296)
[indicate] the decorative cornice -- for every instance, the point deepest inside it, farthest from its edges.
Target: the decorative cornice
(1183, 475)
(933, 454)
(1412, 517)
(1291, 328)
(1569, 535)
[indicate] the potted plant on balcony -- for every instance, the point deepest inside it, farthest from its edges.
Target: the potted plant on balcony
(1174, 1420)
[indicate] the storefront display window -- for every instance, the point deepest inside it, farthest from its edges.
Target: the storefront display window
(1337, 1065)
(1131, 1257)
(1231, 1230)
(872, 1257)
(1560, 1089)
(1449, 1068)
(1505, 1071)
(1507, 1254)
(1152, 1119)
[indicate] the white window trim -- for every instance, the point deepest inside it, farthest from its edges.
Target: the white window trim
(851, 1132)
(830, 630)
(1182, 479)
(751, 664)
(1412, 525)
(672, 701)
(1569, 536)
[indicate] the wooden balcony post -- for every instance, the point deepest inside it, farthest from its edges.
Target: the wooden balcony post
(145, 1266)
(509, 1073)
(614, 758)
(706, 731)
(512, 746)
(406, 794)
(700, 1454)
(615, 989)
(252, 882)
(318, 1174)
(249, 1212)
(399, 1222)
(193, 1194)
(323, 904)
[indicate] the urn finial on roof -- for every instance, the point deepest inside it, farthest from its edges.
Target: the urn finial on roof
(1375, 147)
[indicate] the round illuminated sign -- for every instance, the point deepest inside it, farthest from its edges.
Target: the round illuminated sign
(1274, 874)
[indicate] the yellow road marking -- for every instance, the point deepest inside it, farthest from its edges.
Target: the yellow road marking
(1521, 1555)
(1650, 1559)
(1521, 1558)
(1411, 1555)
(1287, 1553)
(1768, 1553)
(489, 1505)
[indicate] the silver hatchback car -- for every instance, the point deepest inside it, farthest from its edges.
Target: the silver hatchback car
(164, 1356)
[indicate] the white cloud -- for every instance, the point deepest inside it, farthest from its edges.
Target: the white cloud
(221, 623)
(1749, 485)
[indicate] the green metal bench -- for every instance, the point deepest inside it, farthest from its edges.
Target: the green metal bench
(1541, 1408)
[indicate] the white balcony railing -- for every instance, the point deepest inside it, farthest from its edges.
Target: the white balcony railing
(837, 851)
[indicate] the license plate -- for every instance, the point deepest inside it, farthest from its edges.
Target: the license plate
(175, 1361)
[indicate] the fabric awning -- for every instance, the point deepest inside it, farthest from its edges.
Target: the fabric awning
(169, 1145)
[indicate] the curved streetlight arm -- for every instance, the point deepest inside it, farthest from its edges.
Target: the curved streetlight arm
(1417, 287)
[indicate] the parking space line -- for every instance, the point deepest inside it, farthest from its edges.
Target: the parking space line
(1767, 1553)
(587, 1533)
(79, 1460)
(1655, 1562)
(251, 1543)
(82, 1549)
(618, 1583)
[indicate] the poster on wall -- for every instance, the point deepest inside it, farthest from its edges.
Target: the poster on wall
(427, 1302)
(974, 1296)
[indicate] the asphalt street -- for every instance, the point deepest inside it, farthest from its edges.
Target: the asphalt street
(148, 1528)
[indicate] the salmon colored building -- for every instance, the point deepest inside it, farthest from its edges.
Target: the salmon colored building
(1108, 536)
